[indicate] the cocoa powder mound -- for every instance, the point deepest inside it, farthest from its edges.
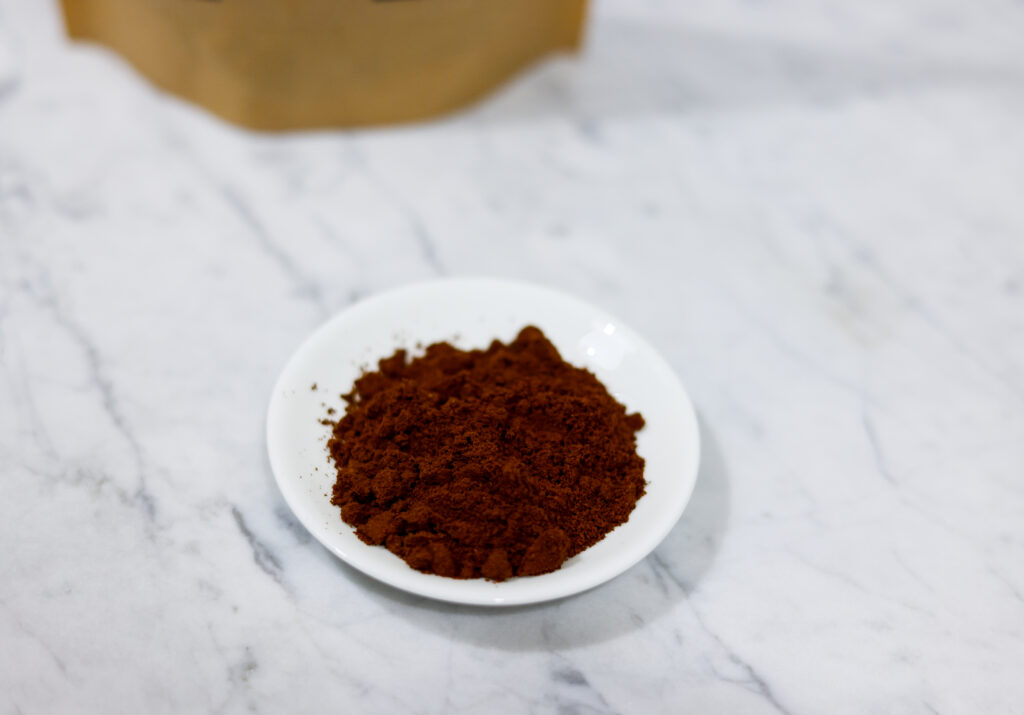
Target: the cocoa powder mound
(485, 463)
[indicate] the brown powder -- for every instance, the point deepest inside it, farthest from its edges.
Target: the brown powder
(485, 463)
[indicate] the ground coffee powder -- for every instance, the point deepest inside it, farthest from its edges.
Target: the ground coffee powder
(485, 463)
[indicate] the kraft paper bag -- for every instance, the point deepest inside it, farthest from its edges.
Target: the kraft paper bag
(283, 64)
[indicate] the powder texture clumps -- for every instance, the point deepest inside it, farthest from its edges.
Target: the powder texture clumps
(485, 463)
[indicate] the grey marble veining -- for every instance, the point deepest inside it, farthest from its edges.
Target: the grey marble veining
(812, 209)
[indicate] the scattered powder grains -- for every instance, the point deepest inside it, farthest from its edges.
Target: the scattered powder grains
(485, 463)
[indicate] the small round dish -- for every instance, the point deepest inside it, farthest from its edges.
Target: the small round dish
(470, 313)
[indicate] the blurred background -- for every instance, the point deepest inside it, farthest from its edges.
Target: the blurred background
(812, 209)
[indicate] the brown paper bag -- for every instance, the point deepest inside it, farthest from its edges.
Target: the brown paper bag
(280, 64)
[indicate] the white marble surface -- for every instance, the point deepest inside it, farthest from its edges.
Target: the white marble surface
(813, 208)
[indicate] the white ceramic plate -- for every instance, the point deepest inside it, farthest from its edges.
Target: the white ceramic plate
(470, 313)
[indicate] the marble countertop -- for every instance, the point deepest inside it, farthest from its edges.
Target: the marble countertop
(813, 209)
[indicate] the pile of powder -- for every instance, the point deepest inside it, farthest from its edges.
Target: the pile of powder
(485, 463)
